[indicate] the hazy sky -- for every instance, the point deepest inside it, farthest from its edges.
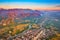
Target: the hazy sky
(31, 4)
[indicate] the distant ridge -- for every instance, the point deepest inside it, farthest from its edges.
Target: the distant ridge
(20, 12)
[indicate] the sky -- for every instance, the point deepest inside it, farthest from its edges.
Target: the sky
(31, 4)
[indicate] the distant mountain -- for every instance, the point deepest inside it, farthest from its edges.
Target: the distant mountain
(20, 12)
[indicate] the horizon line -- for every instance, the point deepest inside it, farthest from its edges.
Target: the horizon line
(31, 8)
